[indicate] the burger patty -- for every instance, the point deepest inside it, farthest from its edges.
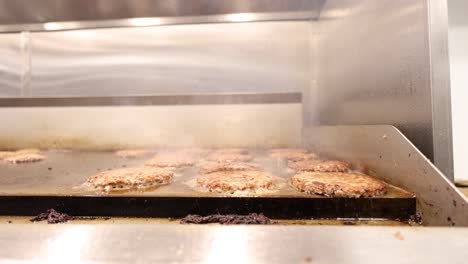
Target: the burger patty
(231, 181)
(129, 178)
(171, 160)
(29, 151)
(292, 154)
(229, 166)
(133, 153)
(319, 165)
(22, 156)
(220, 157)
(338, 184)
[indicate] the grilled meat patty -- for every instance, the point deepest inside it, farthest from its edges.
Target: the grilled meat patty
(173, 160)
(319, 165)
(22, 156)
(338, 184)
(292, 154)
(25, 158)
(130, 178)
(29, 151)
(229, 166)
(231, 181)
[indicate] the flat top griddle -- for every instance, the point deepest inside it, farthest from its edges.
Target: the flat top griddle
(57, 182)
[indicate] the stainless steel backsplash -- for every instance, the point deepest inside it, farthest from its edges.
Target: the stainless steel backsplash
(187, 59)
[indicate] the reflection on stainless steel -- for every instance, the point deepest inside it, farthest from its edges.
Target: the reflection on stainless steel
(137, 243)
(154, 21)
(52, 26)
(25, 49)
(70, 244)
(195, 99)
(139, 126)
(375, 66)
(241, 17)
(385, 152)
(188, 59)
(440, 86)
(49, 15)
(10, 65)
(145, 21)
(41, 11)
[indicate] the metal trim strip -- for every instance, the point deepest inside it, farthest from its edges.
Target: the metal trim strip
(196, 99)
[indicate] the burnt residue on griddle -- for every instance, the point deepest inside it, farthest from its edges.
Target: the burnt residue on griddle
(232, 219)
(415, 219)
(91, 218)
(52, 217)
(88, 218)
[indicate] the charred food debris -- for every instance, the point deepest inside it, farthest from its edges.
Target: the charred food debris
(52, 217)
(250, 219)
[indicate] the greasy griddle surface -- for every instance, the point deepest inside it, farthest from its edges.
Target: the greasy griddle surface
(63, 173)
(57, 182)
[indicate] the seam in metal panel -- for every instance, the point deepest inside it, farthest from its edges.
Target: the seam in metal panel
(309, 93)
(25, 51)
(437, 21)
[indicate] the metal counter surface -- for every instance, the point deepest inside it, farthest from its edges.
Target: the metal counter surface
(145, 243)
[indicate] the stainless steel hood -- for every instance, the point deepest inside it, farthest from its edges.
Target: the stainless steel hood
(41, 15)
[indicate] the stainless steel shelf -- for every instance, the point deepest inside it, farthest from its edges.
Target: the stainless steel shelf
(193, 99)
